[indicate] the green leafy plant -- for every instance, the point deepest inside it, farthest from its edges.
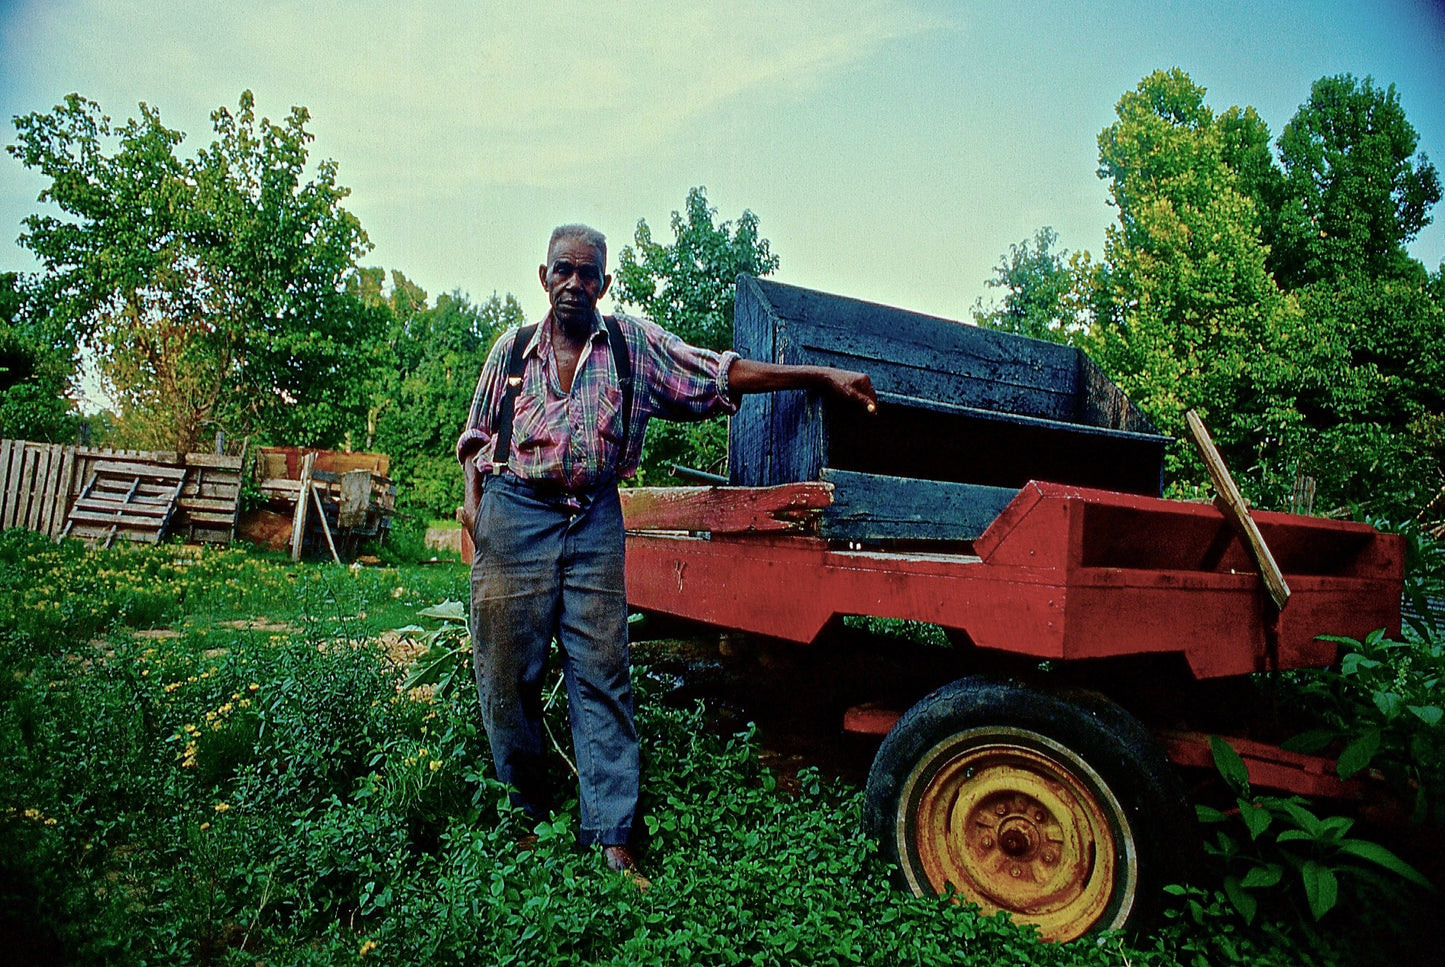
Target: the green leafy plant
(1382, 704)
(446, 663)
(1285, 847)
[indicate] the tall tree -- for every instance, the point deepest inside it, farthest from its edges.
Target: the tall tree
(1337, 377)
(689, 287)
(210, 288)
(1185, 313)
(432, 355)
(1354, 189)
(1039, 291)
(35, 375)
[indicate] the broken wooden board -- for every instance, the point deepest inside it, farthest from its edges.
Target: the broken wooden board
(1232, 503)
(725, 510)
(131, 500)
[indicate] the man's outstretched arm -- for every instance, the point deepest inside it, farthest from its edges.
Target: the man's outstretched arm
(752, 376)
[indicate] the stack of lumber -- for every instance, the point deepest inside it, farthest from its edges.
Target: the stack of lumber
(41, 485)
(321, 502)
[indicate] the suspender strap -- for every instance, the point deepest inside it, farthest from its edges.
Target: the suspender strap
(622, 362)
(502, 452)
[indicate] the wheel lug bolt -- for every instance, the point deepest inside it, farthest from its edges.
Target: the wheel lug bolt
(1049, 857)
(1014, 871)
(1038, 815)
(988, 842)
(1000, 809)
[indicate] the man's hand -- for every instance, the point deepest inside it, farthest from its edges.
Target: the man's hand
(853, 386)
(472, 500)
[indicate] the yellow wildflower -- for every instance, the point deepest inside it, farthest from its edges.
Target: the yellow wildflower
(434, 765)
(222, 807)
(367, 946)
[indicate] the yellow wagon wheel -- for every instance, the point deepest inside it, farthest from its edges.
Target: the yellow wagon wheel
(1055, 809)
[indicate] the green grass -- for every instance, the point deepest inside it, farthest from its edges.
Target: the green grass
(205, 758)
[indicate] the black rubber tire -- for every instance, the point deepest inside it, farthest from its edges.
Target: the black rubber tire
(977, 760)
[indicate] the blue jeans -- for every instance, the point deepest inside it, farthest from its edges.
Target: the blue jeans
(547, 566)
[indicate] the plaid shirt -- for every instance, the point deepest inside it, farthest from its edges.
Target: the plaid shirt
(572, 439)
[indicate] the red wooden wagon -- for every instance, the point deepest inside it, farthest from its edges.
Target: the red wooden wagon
(1008, 493)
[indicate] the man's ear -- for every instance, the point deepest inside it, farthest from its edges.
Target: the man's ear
(542, 275)
(606, 283)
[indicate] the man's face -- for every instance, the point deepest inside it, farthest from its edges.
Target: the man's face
(575, 279)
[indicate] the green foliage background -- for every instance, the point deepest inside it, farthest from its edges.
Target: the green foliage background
(1275, 297)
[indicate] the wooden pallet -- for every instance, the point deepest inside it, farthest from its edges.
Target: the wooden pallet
(129, 500)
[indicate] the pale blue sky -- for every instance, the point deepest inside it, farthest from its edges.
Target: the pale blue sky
(892, 149)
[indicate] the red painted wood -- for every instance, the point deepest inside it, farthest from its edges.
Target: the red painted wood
(788, 507)
(1064, 573)
(870, 720)
(1269, 766)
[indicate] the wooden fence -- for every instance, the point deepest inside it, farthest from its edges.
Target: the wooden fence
(40, 483)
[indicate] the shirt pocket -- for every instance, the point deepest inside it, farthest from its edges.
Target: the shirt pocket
(609, 417)
(531, 429)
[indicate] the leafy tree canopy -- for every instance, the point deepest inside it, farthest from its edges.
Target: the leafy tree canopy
(1354, 190)
(209, 287)
(1039, 289)
(689, 287)
(1319, 356)
(34, 376)
(428, 366)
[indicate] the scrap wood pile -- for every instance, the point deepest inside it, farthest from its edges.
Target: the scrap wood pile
(101, 495)
(321, 502)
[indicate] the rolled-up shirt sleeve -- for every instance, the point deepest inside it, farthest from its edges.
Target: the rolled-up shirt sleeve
(476, 438)
(685, 382)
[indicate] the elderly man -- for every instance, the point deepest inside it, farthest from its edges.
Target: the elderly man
(556, 421)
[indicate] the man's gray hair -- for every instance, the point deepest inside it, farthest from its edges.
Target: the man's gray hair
(583, 233)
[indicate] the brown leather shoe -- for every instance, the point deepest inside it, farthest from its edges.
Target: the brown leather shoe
(620, 859)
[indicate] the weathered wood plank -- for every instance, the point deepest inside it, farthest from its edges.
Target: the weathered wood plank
(9, 484)
(872, 507)
(19, 494)
(130, 516)
(212, 518)
(117, 468)
(957, 403)
(355, 498)
(27, 487)
(144, 505)
(40, 454)
(217, 460)
(921, 355)
(63, 483)
(1232, 503)
(724, 510)
(298, 528)
(198, 505)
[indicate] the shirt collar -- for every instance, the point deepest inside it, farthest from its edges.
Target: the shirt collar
(543, 336)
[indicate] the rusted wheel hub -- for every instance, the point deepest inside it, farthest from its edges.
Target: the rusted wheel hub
(1014, 827)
